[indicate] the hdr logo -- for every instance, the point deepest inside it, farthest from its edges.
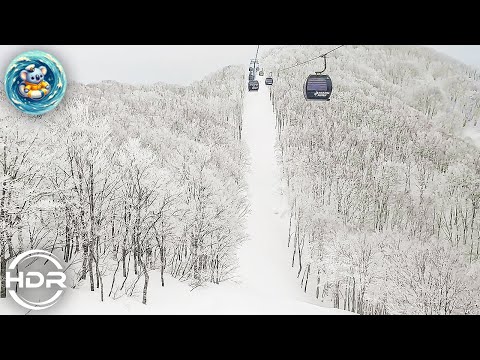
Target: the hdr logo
(35, 290)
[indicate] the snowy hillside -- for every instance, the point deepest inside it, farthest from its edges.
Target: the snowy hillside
(383, 187)
(123, 180)
(209, 199)
(168, 175)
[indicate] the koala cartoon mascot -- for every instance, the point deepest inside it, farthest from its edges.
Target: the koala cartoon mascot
(34, 86)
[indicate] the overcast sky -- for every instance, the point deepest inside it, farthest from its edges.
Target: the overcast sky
(180, 64)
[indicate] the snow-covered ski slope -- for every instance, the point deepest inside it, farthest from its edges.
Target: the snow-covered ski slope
(266, 284)
(265, 261)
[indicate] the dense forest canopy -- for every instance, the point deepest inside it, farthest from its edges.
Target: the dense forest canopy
(120, 180)
(384, 190)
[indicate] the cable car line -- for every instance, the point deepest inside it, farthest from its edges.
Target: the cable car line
(256, 55)
(305, 62)
(318, 86)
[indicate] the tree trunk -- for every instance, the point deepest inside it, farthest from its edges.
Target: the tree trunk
(162, 260)
(348, 295)
(90, 270)
(85, 260)
(306, 281)
(3, 273)
(135, 255)
(295, 240)
(290, 227)
(145, 286)
(77, 235)
(101, 289)
(97, 272)
(353, 296)
(113, 279)
(318, 283)
(300, 250)
(66, 252)
(196, 275)
(91, 239)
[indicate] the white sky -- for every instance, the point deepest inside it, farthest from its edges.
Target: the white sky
(180, 64)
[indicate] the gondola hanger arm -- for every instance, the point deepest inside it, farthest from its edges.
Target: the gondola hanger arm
(324, 66)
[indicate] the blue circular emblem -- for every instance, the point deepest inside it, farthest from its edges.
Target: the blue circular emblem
(35, 82)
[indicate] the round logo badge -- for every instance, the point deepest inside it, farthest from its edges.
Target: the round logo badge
(35, 285)
(35, 82)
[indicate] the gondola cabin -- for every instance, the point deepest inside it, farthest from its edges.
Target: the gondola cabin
(318, 88)
(253, 85)
(269, 81)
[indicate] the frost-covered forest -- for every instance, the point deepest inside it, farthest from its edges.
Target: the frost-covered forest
(133, 185)
(384, 191)
(120, 180)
